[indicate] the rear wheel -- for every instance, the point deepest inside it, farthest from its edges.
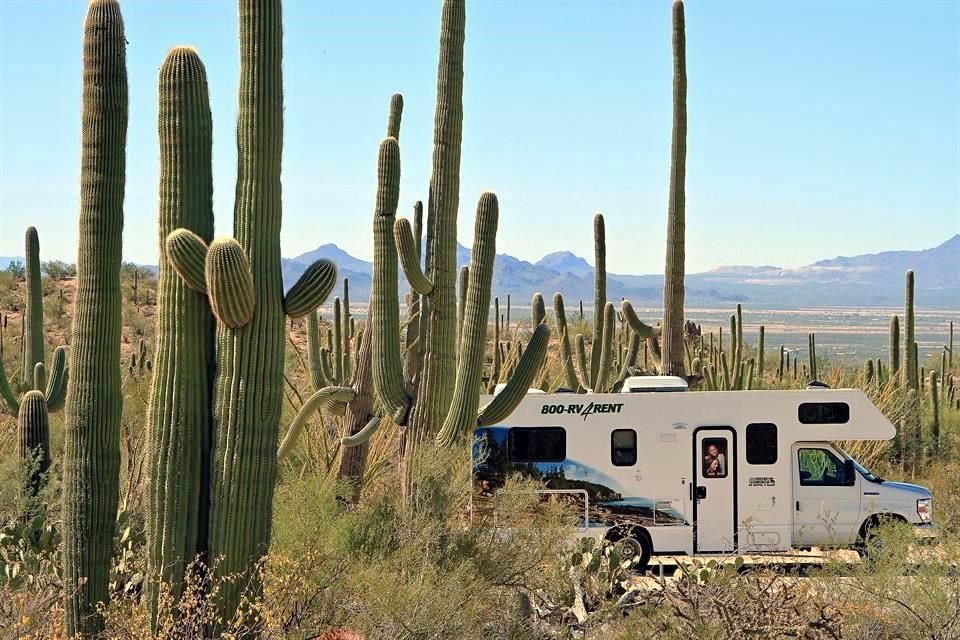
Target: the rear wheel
(634, 546)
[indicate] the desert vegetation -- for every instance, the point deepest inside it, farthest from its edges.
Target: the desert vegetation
(193, 452)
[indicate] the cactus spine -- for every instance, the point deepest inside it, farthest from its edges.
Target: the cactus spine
(673, 287)
(92, 442)
(179, 415)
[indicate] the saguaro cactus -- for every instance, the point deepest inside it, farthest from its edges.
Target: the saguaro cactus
(443, 398)
(910, 377)
(179, 417)
(241, 276)
(673, 288)
(92, 427)
(33, 342)
(33, 446)
(894, 346)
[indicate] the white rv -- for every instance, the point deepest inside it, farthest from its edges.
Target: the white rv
(660, 470)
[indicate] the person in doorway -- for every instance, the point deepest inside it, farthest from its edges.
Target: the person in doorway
(715, 462)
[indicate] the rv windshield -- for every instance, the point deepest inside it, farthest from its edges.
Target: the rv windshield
(862, 470)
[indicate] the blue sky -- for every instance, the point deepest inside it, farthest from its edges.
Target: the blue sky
(815, 128)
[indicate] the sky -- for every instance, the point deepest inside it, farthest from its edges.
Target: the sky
(816, 128)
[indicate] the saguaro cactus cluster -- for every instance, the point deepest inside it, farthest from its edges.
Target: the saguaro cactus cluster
(92, 443)
(440, 399)
(37, 392)
(596, 370)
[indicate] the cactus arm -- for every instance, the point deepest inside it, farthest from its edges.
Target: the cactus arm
(526, 370)
(346, 332)
(336, 343)
(230, 283)
(463, 283)
(461, 416)
(606, 349)
(582, 361)
(384, 302)
(39, 377)
(6, 392)
(538, 310)
(325, 369)
(630, 361)
(653, 345)
(327, 398)
(364, 434)
(187, 254)
(639, 327)
(311, 289)
(318, 379)
(395, 117)
(599, 294)
(409, 250)
(566, 354)
(33, 343)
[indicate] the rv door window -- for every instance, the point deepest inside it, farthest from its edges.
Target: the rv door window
(820, 468)
(714, 455)
(623, 447)
(823, 413)
(761, 443)
(537, 444)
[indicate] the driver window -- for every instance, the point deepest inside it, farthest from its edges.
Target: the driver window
(820, 468)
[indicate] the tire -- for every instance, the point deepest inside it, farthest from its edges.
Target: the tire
(635, 545)
(870, 543)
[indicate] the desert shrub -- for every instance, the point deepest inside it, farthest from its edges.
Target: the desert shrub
(16, 269)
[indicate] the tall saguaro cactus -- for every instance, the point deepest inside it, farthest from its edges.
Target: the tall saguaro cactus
(673, 288)
(441, 401)
(894, 347)
(910, 376)
(241, 277)
(92, 443)
(179, 412)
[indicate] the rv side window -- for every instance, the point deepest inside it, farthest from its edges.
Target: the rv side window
(537, 444)
(761, 443)
(820, 468)
(714, 454)
(623, 447)
(824, 413)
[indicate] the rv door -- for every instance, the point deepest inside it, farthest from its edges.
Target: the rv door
(714, 500)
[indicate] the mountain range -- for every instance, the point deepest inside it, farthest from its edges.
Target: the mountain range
(870, 280)
(873, 280)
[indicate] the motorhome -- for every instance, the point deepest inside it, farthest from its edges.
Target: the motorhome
(657, 469)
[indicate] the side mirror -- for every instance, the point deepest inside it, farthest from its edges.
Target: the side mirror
(849, 473)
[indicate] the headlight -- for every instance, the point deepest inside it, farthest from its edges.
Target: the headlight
(925, 509)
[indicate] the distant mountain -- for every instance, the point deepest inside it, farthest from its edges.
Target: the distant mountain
(565, 262)
(867, 280)
(871, 280)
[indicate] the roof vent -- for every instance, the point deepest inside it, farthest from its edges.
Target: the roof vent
(653, 384)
